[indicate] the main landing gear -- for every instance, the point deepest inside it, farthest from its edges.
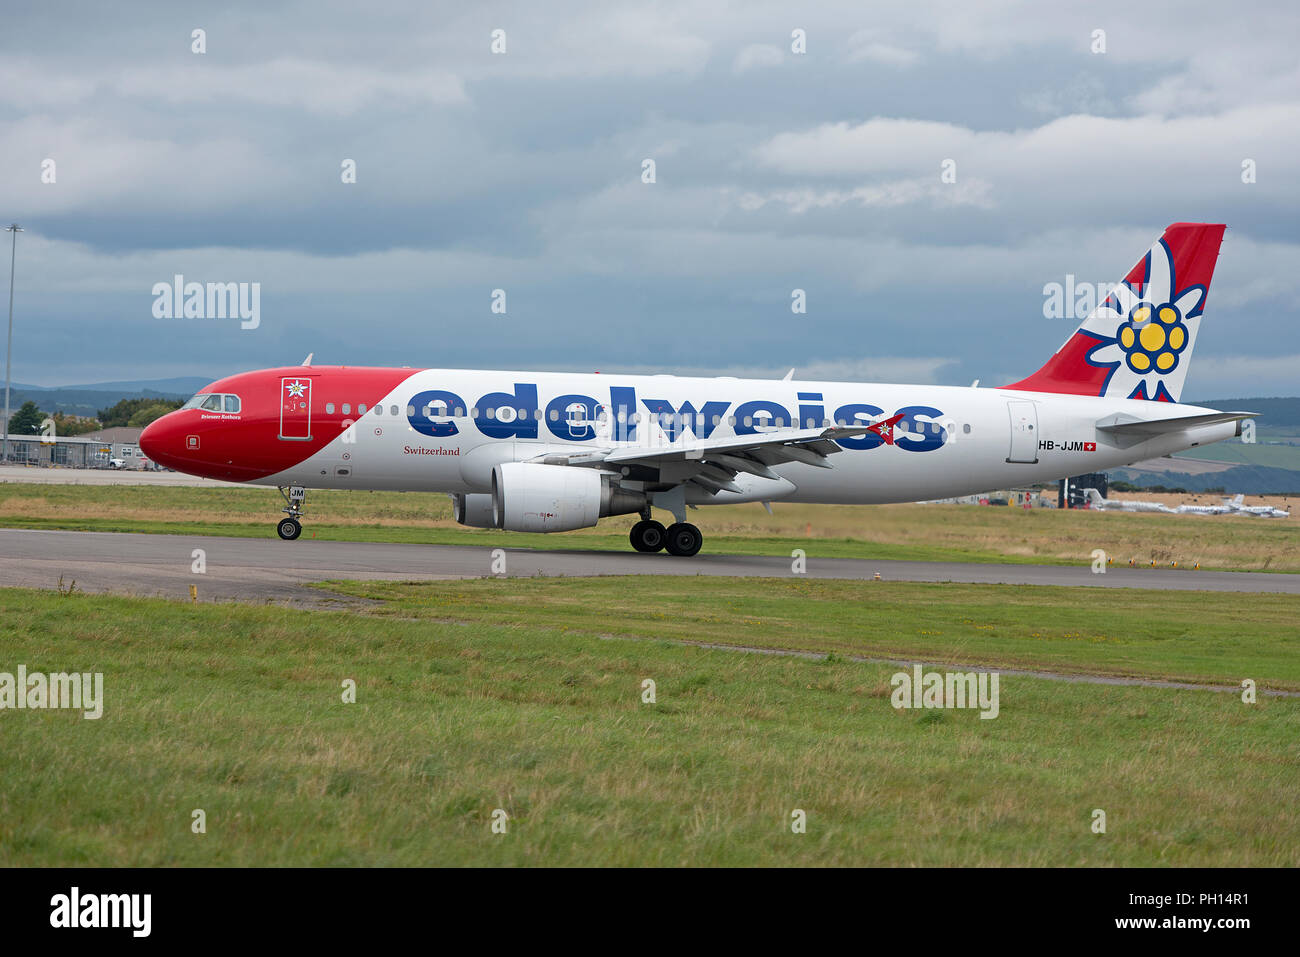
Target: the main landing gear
(680, 538)
(291, 527)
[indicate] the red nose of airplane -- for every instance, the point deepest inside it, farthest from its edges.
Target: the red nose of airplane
(158, 441)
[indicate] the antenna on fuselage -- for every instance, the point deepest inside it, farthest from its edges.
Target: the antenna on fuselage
(307, 361)
(788, 376)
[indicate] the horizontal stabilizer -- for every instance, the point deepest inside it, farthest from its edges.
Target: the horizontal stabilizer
(1123, 424)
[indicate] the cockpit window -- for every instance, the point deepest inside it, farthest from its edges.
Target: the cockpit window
(213, 402)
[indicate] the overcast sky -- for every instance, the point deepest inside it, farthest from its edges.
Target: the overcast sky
(522, 171)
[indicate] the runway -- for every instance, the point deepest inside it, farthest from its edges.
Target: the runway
(61, 476)
(267, 569)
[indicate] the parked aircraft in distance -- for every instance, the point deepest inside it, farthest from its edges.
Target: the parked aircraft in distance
(550, 452)
(1259, 511)
(1099, 504)
(1203, 509)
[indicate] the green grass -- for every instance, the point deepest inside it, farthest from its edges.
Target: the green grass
(901, 532)
(503, 694)
(1186, 636)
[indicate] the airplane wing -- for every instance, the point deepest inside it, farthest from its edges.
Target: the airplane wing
(1122, 423)
(713, 463)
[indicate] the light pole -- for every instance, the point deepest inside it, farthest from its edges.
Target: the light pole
(9, 346)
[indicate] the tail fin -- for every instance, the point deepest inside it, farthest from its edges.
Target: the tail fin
(1138, 343)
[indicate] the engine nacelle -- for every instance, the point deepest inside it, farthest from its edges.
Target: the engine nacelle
(530, 497)
(474, 510)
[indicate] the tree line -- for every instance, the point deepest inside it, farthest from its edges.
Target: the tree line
(134, 413)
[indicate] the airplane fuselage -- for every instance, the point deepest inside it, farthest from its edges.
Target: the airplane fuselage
(443, 430)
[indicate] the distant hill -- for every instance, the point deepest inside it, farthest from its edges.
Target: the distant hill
(1277, 415)
(87, 400)
(181, 385)
(1246, 479)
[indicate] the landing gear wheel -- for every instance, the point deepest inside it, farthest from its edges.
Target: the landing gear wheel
(294, 496)
(647, 536)
(684, 539)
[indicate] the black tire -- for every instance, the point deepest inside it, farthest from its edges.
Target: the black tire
(647, 536)
(684, 540)
(289, 529)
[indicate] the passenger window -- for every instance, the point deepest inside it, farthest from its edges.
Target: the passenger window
(379, 410)
(361, 409)
(329, 408)
(555, 415)
(232, 403)
(410, 411)
(392, 410)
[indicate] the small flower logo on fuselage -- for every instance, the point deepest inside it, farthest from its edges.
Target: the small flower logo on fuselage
(295, 388)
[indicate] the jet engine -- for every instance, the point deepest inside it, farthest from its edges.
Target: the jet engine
(530, 497)
(474, 510)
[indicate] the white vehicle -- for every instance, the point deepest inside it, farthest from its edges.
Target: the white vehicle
(551, 452)
(1099, 504)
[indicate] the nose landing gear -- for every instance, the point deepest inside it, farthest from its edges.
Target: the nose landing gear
(291, 527)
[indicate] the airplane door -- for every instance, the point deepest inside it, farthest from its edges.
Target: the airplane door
(295, 408)
(1024, 431)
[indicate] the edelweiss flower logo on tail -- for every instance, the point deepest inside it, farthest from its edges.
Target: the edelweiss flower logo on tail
(1138, 343)
(1146, 330)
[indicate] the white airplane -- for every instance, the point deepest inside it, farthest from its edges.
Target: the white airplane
(1259, 511)
(1097, 503)
(550, 452)
(1203, 509)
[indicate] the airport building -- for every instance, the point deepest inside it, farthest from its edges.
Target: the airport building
(107, 448)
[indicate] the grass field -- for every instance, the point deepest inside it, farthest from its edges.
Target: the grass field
(920, 532)
(527, 696)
